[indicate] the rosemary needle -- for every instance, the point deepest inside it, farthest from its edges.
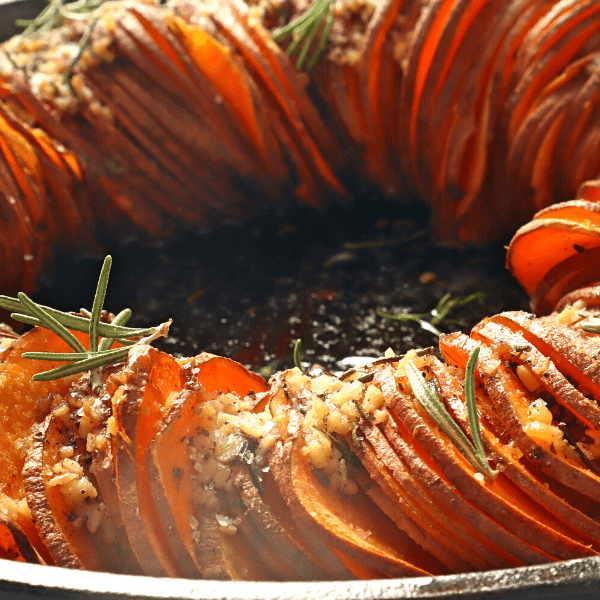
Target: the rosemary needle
(99, 302)
(316, 21)
(471, 403)
(437, 315)
(592, 326)
(120, 319)
(100, 353)
(428, 399)
(49, 322)
(297, 356)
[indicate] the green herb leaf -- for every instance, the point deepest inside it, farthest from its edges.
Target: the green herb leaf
(120, 319)
(316, 21)
(82, 44)
(592, 326)
(54, 15)
(49, 322)
(71, 321)
(437, 315)
(99, 302)
(297, 356)
(471, 402)
(99, 354)
(447, 303)
(91, 362)
(428, 399)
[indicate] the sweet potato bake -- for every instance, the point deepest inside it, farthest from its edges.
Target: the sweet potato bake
(145, 117)
(412, 465)
(140, 118)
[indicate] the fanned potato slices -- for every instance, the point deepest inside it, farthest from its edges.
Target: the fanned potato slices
(63, 495)
(150, 380)
(197, 468)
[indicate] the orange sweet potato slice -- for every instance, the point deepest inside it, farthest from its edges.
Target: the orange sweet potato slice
(433, 534)
(544, 371)
(223, 375)
(572, 273)
(346, 523)
(152, 378)
(316, 503)
(104, 473)
(64, 500)
(563, 233)
(426, 458)
(527, 520)
(23, 404)
(14, 544)
(512, 402)
(553, 42)
(217, 63)
(568, 518)
(573, 353)
(246, 555)
(194, 537)
(268, 512)
(322, 552)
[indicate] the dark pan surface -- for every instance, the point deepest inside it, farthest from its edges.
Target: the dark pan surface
(247, 292)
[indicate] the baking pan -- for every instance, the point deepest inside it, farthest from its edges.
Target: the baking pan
(320, 277)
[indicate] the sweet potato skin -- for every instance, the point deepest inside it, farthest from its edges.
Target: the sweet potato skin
(137, 409)
(14, 544)
(341, 521)
(23, 402)
(37, 498)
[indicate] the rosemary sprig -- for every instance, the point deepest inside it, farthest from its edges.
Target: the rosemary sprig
(317, 20)
(54, 15)
(100, 353)
(428, 399)
(437, 315)
(73, 322)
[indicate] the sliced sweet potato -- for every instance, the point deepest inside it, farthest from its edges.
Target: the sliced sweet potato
(573, 353)
(104, 473)
(245, 552)
(23, 404)
(569, 232)
(487, 539)
(513, 404)
(319, 490)
(151, 379)
(567, 518)
(542, 370)
(561, 237)
(268, 512)
(347, 523)
(171, 467)
(62, 489)
(323, 552)
(14, 544)
(63, 498)
(223, 375)
(433, 534)
(526, 520)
